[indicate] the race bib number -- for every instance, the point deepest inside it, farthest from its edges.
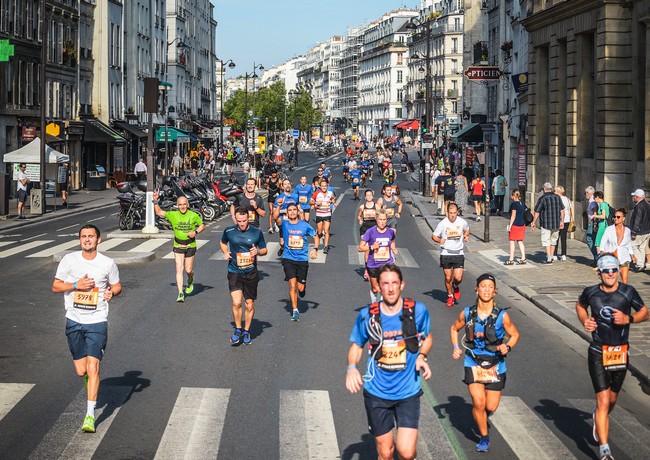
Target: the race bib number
(295, 242)
(390, 212)
(324, 205)
(454, 233)
(368, 214)
(86, 300)
(615, 357)
(302, 199)
(251, 216)
(393, 355)
(382, 254)
(485, 375)
(244, 259)
(355, 181)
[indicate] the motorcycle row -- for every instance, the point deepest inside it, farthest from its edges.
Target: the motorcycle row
(208, 198)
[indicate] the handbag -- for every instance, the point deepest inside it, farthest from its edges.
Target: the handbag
(571, 227)
(528, 216)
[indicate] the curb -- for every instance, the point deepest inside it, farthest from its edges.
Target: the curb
(120, 257)
(50, 217)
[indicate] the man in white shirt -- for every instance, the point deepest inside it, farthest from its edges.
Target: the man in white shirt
(140, 170)
(23, 180)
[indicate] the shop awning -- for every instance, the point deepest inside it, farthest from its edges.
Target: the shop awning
(413, 124)
(400, 125)
(96, 131)
(131, 129)
(173, 135)
(470, 133)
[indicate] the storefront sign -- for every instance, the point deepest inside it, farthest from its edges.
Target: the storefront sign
(29, 134)
(520, 82)
(483, 73)
(521, 165)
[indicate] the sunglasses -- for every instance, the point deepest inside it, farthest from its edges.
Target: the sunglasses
(618, 217)
(609, 271)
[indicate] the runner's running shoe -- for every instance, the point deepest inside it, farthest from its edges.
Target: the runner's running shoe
(89, 424)
(295, 316)
(484, 444)
(246, 339)
(326, 249)
(190, 285)
(236, 337)
(450, 301)
(302, 293)
(181, 297)
(456, 292)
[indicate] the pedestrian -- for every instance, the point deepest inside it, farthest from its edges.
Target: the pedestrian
(140, 170)
(88, 280)
(23, 180)
(640, 228)
(590, 235)
(617, 240)
(398, 333)
(600, 218)
(462, 193)
(186, 225)
(516, 228)
(295, 258)
(549, 210)
(499, 184)
(452, 233)
(241, 244)
(176, 164)
(478, 192)
(490, 335)
(446, 188)
(378, 246)
(435, 198)
(64, 182)
(606, 310)
(250, 200)
(568, 218)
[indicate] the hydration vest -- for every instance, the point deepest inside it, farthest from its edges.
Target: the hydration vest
(409, 328)
(490, 330)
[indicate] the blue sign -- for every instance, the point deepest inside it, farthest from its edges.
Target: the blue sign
(295, 133)
(440, 116)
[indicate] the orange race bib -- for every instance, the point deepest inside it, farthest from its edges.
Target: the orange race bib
(244, 259)
(296, 242)
(485, 375)
(302, 199)
(369, 214)
(454, 233)
(86, 300)
(251, 216)
(382, 253)
(393, 355)
(390, 212)
(615, 357)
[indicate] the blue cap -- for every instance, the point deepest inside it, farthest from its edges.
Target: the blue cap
(607, 261)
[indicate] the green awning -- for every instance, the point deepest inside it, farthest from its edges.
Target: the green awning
(470, 133)
(173, 135)
(96, 131)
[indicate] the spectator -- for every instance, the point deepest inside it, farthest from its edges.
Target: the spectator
(568, 217)
(516, 228)
(600, 218)
(592, 206)
(499, 184)
(550, 212)
(640, 229)
(140, 170)
(617, 240)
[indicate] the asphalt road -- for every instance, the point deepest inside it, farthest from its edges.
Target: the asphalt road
(173, 385)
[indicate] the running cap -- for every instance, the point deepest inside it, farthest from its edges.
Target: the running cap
(486, 276)
(638, 192)
(607, 261)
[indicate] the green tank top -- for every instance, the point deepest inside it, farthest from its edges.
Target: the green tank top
(182, 224)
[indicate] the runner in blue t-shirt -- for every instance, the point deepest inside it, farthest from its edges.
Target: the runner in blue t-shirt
(327, 174)
(355, 178)
(241, 244)
(304, 192)
(365, 169)
(295, 235)
(284, 199)
(391, 386)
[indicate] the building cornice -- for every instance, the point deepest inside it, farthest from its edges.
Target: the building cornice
(557, 12)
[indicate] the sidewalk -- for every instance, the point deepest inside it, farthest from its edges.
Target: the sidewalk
(554, 288)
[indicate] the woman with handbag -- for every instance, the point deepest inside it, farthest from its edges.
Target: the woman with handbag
(568, 219)
(516, 228)
(617, 240)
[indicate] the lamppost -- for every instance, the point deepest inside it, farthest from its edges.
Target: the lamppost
(230, 65)
(246, 77)
(275, 128)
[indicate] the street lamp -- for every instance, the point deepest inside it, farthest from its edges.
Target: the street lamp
(275, 128)
(246, 77)
(230, 65)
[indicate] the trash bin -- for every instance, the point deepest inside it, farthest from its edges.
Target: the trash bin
(96, 180)
(50, 188)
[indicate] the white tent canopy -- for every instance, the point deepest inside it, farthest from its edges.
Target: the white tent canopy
(31, 153)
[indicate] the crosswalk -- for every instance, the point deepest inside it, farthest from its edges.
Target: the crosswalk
(307, 426)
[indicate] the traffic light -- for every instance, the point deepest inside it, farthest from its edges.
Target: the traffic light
(423, 123)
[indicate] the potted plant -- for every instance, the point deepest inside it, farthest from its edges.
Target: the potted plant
(507, 46)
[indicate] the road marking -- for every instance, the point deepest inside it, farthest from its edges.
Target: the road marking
(338, 200)
(69, 226)
(110, 244)
(6, 243)
(195, 425)
(500, 256)
(33, 237)
(433, 442)
(54, 249)
(307, 426)
(623, 427)
(96, 219)
(525, 433)
(23, 248)
(403, 259)
(149, 245)
(199, 245)
(66, 440)
(11, 394)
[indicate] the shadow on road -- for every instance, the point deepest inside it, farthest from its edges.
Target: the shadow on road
(574, 423)
(363, 449)
(459, 413)
(111, 399)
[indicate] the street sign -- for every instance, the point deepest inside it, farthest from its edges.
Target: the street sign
(427, 145)
(440, 116)
(483, 73)
(6, 50)
(295, 133)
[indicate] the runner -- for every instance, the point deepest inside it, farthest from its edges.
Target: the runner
(324, 200)
(390, 174)
(346, 168)
(378, 245)
(392, 203)
(611, 304)
(452, 233)
(295, 259)
(485, 326)
(241, 244)
(273, 186)
(186, 225)
(251, 201)
(327, 174)
(284, 199)
(304, 191)
(365, 168)
(391, 386)
(88, 280)
(355, 176)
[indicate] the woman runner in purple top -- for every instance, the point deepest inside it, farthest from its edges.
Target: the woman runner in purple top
(379, 243)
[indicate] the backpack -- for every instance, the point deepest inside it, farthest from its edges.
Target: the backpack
(610, 218)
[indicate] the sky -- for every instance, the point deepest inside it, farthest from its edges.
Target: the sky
(269, 32)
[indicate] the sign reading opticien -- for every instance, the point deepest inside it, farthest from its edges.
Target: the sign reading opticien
(482, 73)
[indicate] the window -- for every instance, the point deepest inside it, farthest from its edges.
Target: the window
(400, 76)
(400, 95)
(398, 112)
(400, 58)
(454, 45)
(454, 106)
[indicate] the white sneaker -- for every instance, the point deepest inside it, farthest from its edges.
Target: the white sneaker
(563, 258)
(554, 257)
(478, 218)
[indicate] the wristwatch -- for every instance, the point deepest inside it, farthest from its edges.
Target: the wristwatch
(426, 359)
(630, 318)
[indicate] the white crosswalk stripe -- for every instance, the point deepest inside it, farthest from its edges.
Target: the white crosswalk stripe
(65, 439)
(624, 429)
(11, 394)
(54, 249)
(525, 433)
(23, 248)
(6, 243)
(195, 425)
(307, 426)
(403, 259)
(199, 245)
(110, 244)
(150, 245)
(272, 255)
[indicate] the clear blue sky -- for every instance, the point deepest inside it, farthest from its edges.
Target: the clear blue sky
(271, 31)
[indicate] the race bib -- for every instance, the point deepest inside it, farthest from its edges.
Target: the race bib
(244, 259)
(368, 214)
(324, 205)
(485, 375)
(390, 212)
(302, 199)
(382, 254)
(86, 300)
(454, 233)
(393, 355)
(615, 357)
(251, 216)
(296, 242)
